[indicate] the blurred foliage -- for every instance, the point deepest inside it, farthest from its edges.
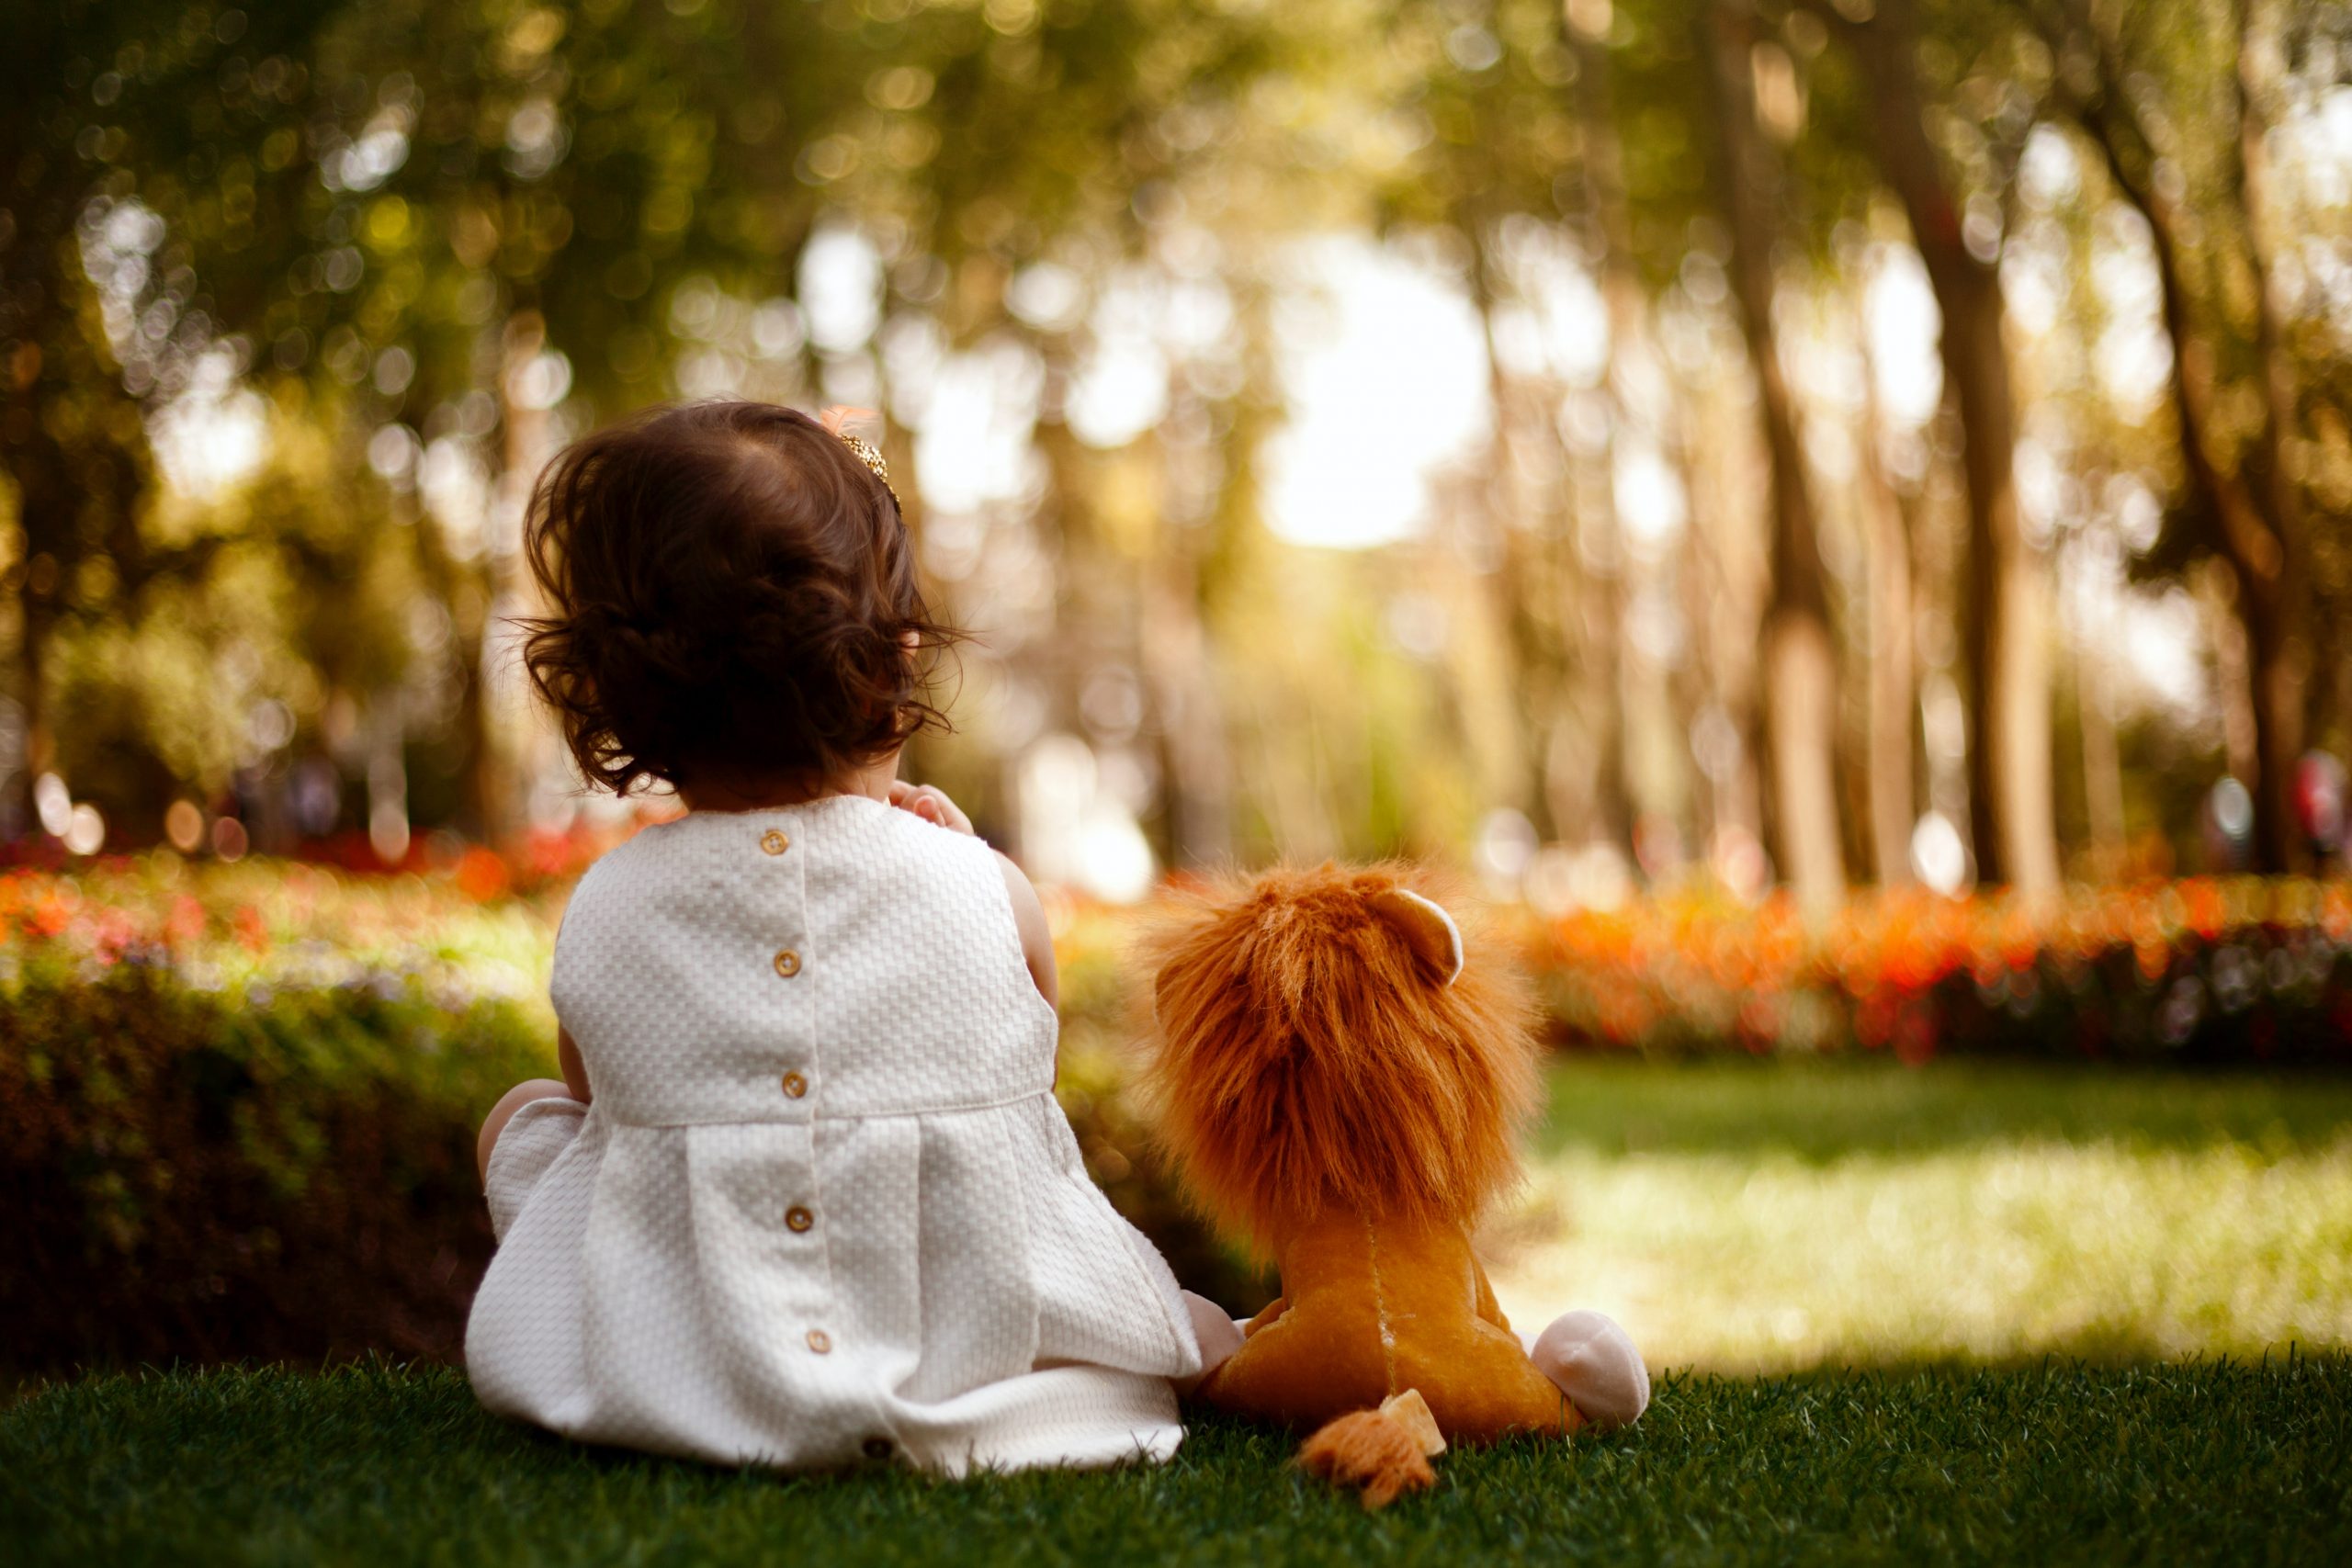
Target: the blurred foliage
(237, 1102)
(220, 1176)
(238, 1105)
(401, 251)
(2241, 972)
(236, 1110)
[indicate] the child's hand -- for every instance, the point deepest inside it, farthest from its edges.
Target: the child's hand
(930, 804)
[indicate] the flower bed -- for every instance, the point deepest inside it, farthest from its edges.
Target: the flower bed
(236, 1108)
(2197, 971)
(237, 1102)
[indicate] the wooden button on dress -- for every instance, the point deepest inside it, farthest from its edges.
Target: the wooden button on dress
(788, 964)
(819, 1341)
(798, 1218)
(775, 843)
(794, 1086)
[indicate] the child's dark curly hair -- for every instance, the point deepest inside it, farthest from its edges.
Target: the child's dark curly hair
(731, 593)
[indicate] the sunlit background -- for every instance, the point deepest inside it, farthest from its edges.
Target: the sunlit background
(1830, 510)
(1340, 423)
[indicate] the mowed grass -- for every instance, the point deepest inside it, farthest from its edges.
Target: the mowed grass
(1900, 1253)
(2200, 1463)
(1779, 1216)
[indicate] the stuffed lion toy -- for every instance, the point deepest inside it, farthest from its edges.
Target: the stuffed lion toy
(1341, 1081)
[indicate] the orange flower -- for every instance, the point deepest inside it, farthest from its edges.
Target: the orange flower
(480, 875)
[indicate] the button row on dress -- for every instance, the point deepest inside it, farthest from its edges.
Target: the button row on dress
(797, 1218)
(787, 964)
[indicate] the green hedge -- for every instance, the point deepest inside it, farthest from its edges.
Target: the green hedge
(238, 1108)
(287, 1173)
(258, 1171)
(237, 1103)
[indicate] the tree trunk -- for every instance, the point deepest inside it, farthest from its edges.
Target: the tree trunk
(2254, 525)
(2282, 608)
(1894, 694)
(2102, 761)
(1196, 770)
(45, 389)
(461, 585)
(1801, 659)
(35, 596)
(1498, 674)
(495, 724)
(1723, 600)
(1608, 234)
(40, 499)
(2002, 641)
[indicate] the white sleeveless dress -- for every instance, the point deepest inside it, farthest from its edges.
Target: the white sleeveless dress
(823, 1207)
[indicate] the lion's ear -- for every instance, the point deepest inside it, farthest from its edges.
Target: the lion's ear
(1425, 928)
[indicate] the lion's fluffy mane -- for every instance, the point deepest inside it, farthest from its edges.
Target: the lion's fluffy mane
(1304, 1055)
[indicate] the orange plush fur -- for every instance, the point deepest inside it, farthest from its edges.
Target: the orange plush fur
(1307, 1058)
(1368, 1450)
(1335, 1102)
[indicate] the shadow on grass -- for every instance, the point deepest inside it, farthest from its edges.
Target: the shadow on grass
(1819, 1110)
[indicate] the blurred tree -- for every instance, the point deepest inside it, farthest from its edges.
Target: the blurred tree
(2010, 802)
(1801, 659)
(119, 123)
(2155, 89)
(1601, 211)
(1894, 692)
(417, 246)
(539, 210)
(1079, 151)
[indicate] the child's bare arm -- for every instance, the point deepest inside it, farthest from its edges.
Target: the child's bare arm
(575, 1071)
(1036, 936)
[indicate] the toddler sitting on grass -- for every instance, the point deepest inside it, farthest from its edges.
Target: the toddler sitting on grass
(804, 1196)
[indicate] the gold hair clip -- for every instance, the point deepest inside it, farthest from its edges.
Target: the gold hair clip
(836, 420)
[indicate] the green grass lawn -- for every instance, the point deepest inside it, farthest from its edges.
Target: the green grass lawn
(2205, 1463)
(2071, 1294)
(1777, 1216)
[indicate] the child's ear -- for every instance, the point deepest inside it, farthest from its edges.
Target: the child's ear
(1425, 928)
